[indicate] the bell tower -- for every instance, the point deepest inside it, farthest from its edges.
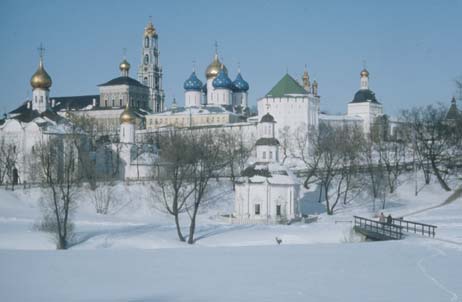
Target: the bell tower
(150, 71)
(41, 83)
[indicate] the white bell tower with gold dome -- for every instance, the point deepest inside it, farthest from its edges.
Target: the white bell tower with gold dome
(150, 71)
(41, 83)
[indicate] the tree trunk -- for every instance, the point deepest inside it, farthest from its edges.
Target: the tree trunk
(178, 228)
(62, 244)
(192, 226)
(443, 184)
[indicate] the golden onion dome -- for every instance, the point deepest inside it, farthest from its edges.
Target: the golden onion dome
(364, 73)
(214, 68)
(41, 79)
(149, 30)
(124, 65)
(127, 116)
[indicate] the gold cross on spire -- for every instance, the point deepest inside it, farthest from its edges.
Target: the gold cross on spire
(41, 50)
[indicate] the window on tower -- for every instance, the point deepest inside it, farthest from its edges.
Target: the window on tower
(146, 42)
(146, 59)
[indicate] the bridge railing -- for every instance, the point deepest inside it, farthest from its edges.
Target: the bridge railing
(392, 231)
(416, 227)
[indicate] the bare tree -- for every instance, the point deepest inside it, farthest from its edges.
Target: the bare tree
(306, 147)
(338, 149)
(285, 142)
(432, 138)
(391, 152)
(174, 170)
(208, 159)
(235, 152)
(8, 160)
(103, 197)
(57, 162)
(83, 132)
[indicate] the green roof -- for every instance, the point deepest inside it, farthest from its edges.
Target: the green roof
(287, 85)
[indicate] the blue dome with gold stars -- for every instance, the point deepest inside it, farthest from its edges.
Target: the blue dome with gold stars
(193, 83)
(222, 81)
(239, 84)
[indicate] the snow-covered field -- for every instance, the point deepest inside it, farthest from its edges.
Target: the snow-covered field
(132, 254)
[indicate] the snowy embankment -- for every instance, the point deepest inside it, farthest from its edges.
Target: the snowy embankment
(133, 254)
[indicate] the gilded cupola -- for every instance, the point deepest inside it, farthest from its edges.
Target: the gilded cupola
(364, 73)
(149, 30)
(41, 79)
(215, 67)
(127, 116)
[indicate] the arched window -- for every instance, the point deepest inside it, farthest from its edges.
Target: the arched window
(146, 59)
(146, 42)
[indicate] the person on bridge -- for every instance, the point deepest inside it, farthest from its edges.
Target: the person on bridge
(389, 219)
(382, 218)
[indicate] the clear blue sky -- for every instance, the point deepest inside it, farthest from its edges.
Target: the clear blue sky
(413, 49)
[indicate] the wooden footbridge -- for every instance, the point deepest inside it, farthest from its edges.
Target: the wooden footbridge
(376, 230)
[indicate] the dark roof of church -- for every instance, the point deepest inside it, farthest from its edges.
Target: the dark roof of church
(267, 141)
(267, 118)
(26, 115)
(365, 95)
(64, 103)
(286, 86)
(123, 81)
(74, 102)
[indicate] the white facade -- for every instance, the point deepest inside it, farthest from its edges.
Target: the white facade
(220, 97)
(291, 111)
(192, 98)
(264, 200)
(40, 99)
(368, 112)
(270, 192)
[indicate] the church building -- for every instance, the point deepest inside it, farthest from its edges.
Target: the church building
(267, 192)
(291, 104)
(365, 104)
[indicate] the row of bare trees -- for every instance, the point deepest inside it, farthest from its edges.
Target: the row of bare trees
(435, 140)
(346, 162)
